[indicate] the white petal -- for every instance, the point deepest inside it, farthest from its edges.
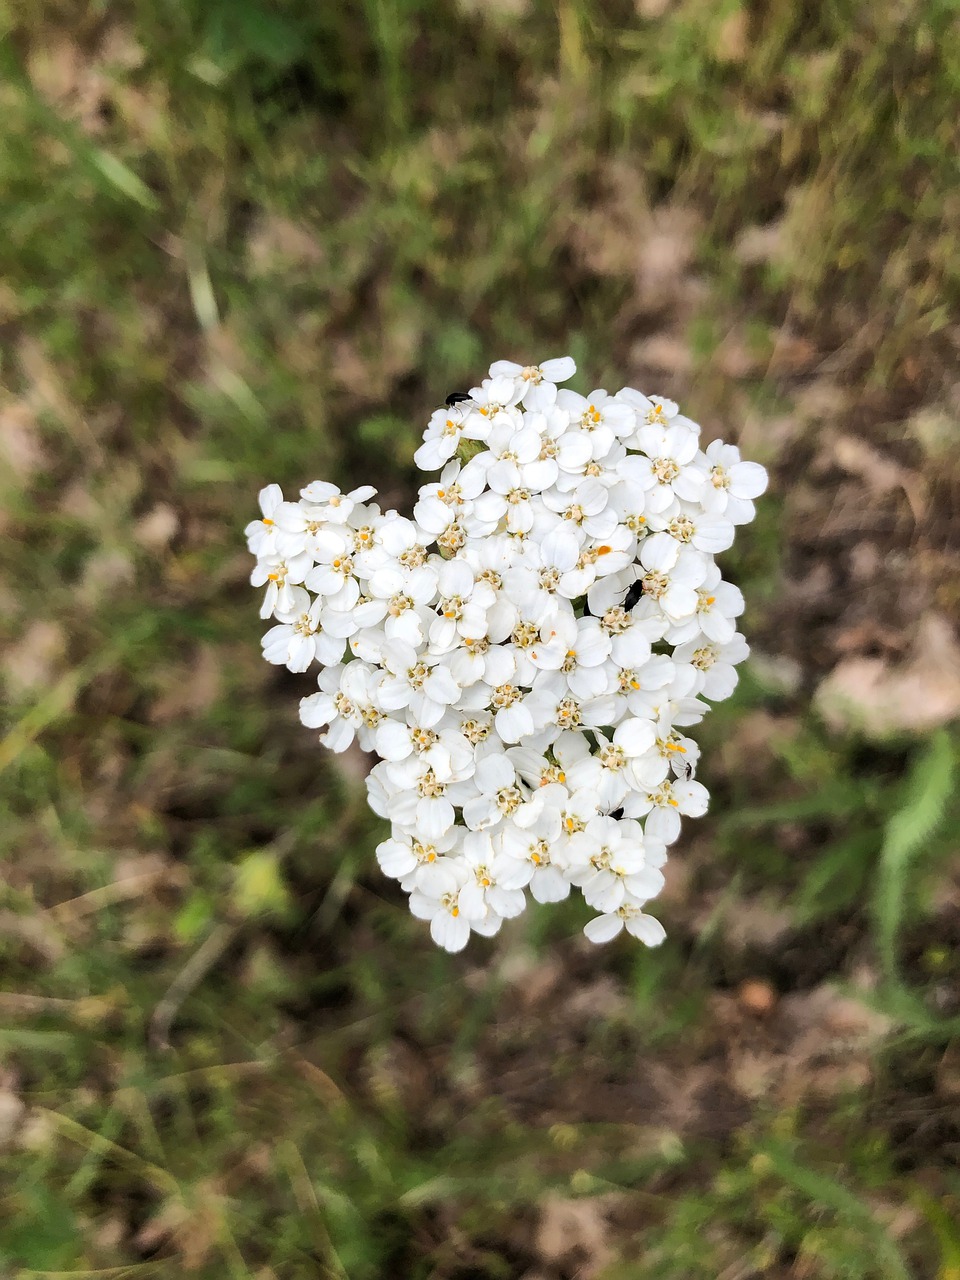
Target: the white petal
(635, 736)
(560, 369)
(452, 932)
(713, 534)
(494, 772)
(435, 816)
(548, 885)
(540, 398)
(317, 710)
(747, 480)
(646, 883)
(396, 859)
(514, 723)
(662, 824)
(603, 928)
(694, 798)
(678, 601)
(648, 929)
(302, 652)
(270, 498)
(659, 553)
(471, 901)
(507, 903)
(440, 686)
(604, 892)
(393, 740)
(339, 736)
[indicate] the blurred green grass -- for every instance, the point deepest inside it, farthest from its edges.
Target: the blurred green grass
(255, 242)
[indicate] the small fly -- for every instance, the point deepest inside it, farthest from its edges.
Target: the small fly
(634, 592)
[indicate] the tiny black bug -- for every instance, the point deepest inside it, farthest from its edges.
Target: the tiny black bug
(688, 771)
(634, 592)
(456, 397)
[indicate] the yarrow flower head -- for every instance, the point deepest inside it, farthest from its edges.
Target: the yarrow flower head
(524, 654)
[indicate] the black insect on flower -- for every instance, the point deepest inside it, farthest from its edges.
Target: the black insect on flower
(634, 592)
(456, 397)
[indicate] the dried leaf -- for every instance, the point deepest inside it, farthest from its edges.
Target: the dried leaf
(916, 696)
(575, 1231)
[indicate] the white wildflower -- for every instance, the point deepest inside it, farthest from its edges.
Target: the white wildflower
(525, 653)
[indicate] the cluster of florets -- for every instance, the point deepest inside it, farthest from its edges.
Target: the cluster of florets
(526, 653)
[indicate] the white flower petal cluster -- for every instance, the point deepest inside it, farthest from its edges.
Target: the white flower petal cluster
(526, 653)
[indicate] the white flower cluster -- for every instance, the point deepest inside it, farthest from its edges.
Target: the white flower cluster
(526, 653)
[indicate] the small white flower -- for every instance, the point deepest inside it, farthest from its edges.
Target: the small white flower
(595, 561)
(715, 663)
(281, 577)
(297, 523)
(449, 927)
(492, 403)
(344, 703)
(598, 415)
(481, 660)
(538, 770)
(502, 795)
(608, 861)
(719, 604)
(563, 452)
(416, 681)
(680, 753)
(333, 552)
(517, 509)
(694, 528)
(484, 891)
(560, 369)
(619, 765)
(578, 649)
(621, 873)
(419, 865)
(462, 608)
(664, 805)
(550, 703)
(441, 439)
(332, 505)
(628, 915)
(445, 750)
(536, 383)
(664, 471)
(306, 634)
(262, 534)
(585, 508)
(405, 596)
(574, 809)
(731, 485)
(442, 505)
(671, 577)
(529, 858)
(421, 801)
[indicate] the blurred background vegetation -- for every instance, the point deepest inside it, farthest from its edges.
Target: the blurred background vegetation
(247, 241)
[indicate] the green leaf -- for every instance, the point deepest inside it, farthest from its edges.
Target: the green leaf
(258, 887)
(911, 827)
(193, 918)
(837, 878)
(124, 179)
(820, 1189)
